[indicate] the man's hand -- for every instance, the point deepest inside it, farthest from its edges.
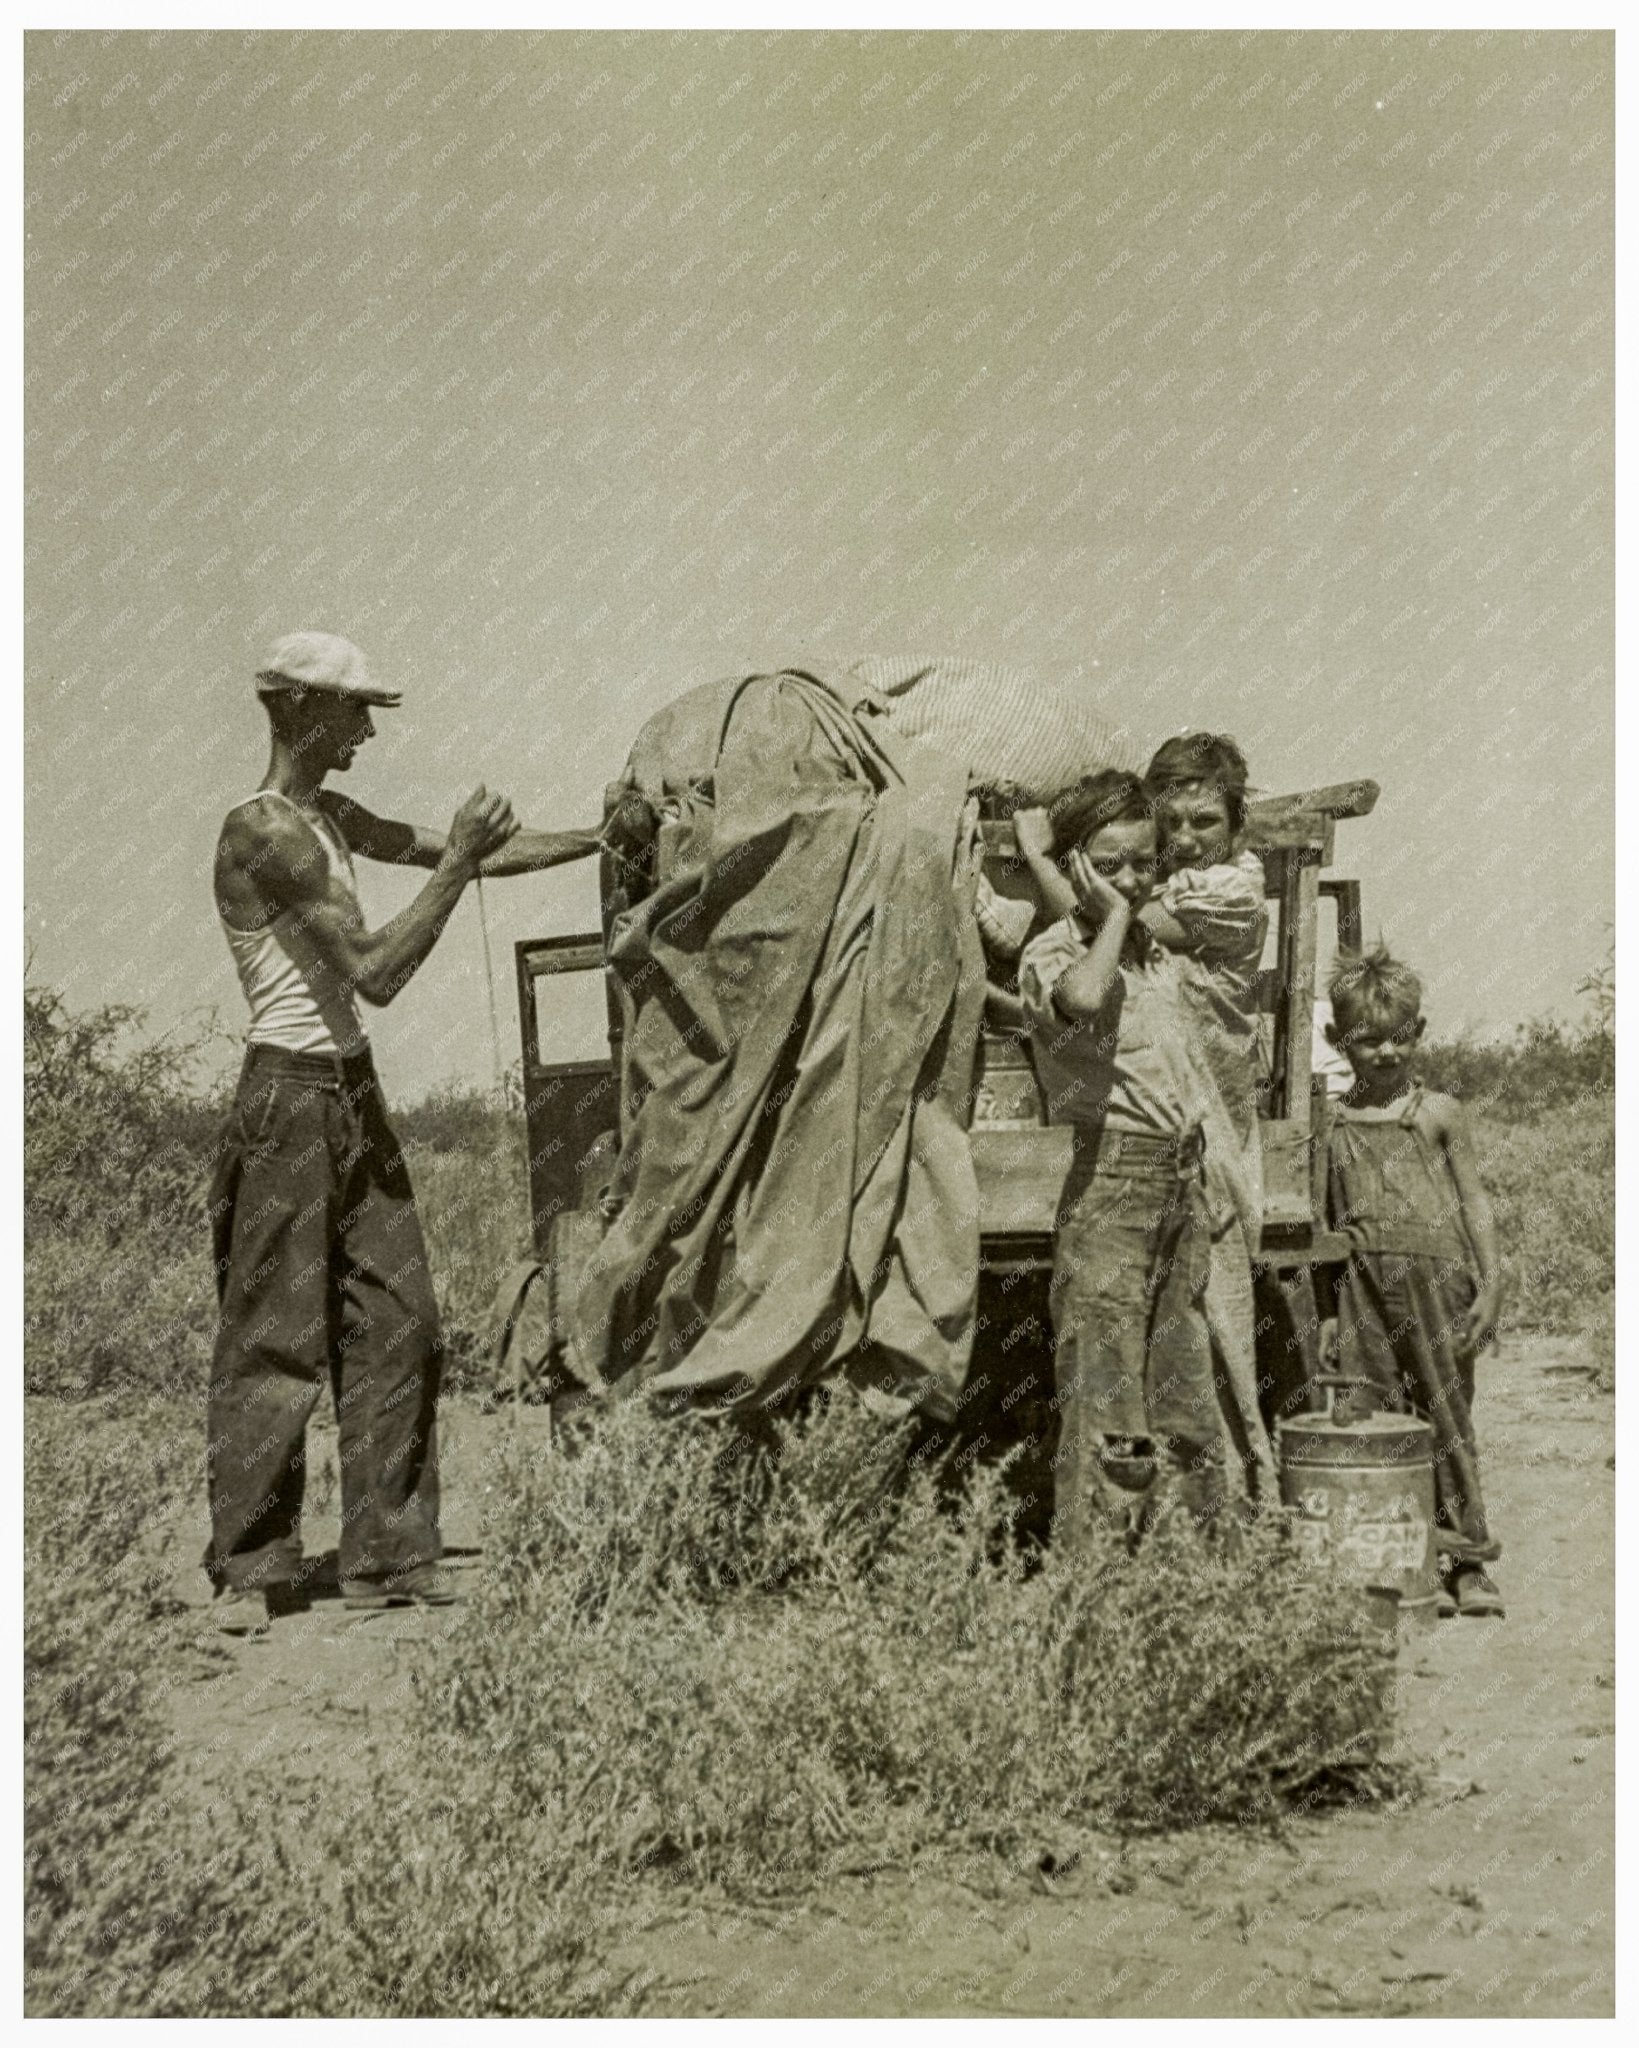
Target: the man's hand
(1033, 833)
(1480, 1324)
(1096, 897)
(483, 825)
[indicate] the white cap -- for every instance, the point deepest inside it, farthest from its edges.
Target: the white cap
(321, 661)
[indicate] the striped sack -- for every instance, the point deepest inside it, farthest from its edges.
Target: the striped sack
(1012, 731)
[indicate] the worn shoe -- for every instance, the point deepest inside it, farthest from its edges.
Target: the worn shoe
(1474, 1592)
(252, 1610)
(423, 1585)
(1445, 1601)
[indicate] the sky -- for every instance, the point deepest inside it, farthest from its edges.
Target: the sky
(1261, 382)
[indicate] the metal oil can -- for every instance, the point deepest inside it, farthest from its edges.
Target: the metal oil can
(1359, 1486)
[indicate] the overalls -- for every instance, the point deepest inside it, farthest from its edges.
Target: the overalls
(1404, 1298)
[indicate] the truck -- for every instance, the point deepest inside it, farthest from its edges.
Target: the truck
(574, 1114)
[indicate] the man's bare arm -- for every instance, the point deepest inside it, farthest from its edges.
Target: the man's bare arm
(527, 852)
(294, 877)
(423, 846)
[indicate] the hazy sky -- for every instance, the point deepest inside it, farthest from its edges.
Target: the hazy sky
(1256, 381)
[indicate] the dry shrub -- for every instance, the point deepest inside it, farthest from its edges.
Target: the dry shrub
(131, 1903)
(137, 1313)
(118, 1152)
(762, 1661)
(452, 1898)
(414, 1898)
(473, 1197)
(1546, 1067)
(1553, 1183)
(116, 1158)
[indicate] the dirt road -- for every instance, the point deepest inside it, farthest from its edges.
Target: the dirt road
(1493, 1894)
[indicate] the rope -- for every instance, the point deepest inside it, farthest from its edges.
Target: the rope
(489, 982)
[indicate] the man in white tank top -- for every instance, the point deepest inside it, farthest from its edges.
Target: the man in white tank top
(320, 1262)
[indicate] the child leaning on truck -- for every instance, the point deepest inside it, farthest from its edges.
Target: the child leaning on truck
(1209, 911)
(1139, 1423)
(1420, 1293)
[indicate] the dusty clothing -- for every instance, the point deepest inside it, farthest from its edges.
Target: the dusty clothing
(1222, 912)
(800, 995)
(1403, 1298)
(1127, 1069)
(1231, 1320)
(1224, 918)
(322, 1276)
(1129, 1269)
(1132, 1362)
(1391, 1189)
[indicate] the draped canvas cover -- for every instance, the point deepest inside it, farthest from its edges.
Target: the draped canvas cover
(801, 995)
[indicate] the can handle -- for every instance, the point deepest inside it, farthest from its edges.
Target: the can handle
(1344, 1383)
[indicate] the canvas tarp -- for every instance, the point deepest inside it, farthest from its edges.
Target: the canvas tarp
(800, 997)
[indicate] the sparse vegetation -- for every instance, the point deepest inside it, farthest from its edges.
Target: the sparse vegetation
(381, 1900)
(130, 1906)
(763, 1662)
(118, 1146)
(741, 1664)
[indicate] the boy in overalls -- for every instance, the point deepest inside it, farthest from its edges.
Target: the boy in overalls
(1420, 1295)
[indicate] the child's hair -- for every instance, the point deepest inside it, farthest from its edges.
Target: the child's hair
(1211, 757)
(1111, 797)
(1373, 989)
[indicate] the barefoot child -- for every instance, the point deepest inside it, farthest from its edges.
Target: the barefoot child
(1210, 912)
(1420, 1295)
(1139, 1420)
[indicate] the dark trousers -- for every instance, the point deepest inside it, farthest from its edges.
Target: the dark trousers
(321, 1271)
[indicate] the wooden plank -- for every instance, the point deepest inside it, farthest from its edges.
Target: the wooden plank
(528, 1018)
(578, 953)
(1287, 1204)
(1021, 1175)
(1274, 836)
(1278, 869)
(1314, 846)
(1300, 988)
(1285, 1253)
(1320, 1140)
(1333, 800)
(1346, 895)
(1011, 1256)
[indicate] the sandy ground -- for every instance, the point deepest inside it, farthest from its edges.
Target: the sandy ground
(1493, 1894)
